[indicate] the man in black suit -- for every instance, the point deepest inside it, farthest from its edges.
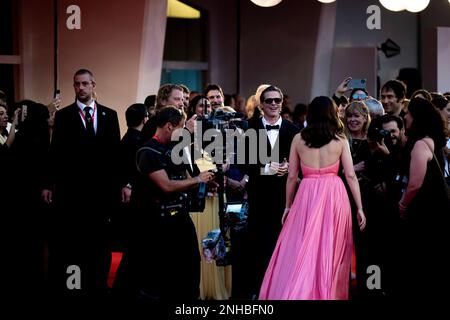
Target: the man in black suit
(266, 189)
(84, 188)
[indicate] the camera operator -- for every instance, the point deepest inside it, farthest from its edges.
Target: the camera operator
(382, 187)
(164, 259)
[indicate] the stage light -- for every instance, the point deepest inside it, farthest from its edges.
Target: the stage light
(416, 5)
(266, 3)
(329, 1)
(393, 5)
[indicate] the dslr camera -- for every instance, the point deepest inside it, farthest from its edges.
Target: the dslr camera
(378, 134)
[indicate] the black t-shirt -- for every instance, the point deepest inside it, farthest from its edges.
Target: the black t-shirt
(152, 157)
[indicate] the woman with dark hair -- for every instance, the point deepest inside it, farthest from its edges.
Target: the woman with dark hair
(443, 104)
(422, 93)
(425, 204)
(197, 106)
(312, 257)
(27, 155)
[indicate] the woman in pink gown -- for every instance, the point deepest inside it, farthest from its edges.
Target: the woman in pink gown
(312, 257)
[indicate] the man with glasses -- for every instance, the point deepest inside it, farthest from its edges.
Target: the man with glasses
(83, 185)
(358, 94)
(266, 188)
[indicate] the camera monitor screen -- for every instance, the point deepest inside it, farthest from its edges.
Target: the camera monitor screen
(234, 207)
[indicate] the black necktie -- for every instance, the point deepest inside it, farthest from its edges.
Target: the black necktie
(275, 127)
(89, 123)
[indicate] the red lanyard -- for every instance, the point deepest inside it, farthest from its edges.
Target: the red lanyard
(157, 139)
(93, 114)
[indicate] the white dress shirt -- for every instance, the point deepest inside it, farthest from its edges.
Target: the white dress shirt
(272, 134)
(93, 112)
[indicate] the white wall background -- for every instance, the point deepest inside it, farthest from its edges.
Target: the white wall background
(401, 27)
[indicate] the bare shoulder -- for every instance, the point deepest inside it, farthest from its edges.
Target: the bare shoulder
(423, 147)
(298, 140)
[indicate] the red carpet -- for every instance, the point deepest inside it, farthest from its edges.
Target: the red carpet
(115, 262)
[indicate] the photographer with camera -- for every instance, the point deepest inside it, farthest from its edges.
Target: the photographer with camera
(163, 262)
(381, 185)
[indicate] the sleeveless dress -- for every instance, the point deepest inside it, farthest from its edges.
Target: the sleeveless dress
(313, 254)
(422, 273)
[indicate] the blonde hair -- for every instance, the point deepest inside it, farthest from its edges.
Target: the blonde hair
(361, 108)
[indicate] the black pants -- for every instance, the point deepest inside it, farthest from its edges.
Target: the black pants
(163, 261)
(79, 245)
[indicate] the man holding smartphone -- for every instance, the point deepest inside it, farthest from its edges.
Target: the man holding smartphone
(83, 186)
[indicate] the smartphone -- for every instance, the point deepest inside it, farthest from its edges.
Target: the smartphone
(57, 94)
(23, 113)
(357, 84)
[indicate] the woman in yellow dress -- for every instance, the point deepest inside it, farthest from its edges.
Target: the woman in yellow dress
(215, 282)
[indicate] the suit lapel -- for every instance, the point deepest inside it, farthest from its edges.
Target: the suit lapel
(264, 131)
(101, 119)
(76, 115)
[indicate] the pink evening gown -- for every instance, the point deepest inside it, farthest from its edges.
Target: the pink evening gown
(312, 257)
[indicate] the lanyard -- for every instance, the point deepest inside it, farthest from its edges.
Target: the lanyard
(157, 139)
(93, 114)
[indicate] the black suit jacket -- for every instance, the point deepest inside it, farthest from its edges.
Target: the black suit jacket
(266, 193)
(83, 170)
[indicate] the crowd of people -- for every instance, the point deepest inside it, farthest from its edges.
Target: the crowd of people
(354, 179)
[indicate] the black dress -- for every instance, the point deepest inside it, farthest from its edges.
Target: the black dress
(425, 230)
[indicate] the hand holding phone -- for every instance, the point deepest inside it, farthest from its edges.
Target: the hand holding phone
(54, 105)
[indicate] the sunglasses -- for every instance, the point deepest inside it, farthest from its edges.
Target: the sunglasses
(270, 100)
(359, 96)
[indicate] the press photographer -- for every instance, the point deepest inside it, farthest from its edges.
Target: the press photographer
(164, 261)
(381, 185)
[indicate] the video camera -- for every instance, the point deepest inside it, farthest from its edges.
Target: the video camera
(221, 120)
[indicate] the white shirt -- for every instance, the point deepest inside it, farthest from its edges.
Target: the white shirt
(272, 134)
(93, 113)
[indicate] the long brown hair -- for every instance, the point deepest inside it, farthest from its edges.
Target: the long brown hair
(323, 123)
